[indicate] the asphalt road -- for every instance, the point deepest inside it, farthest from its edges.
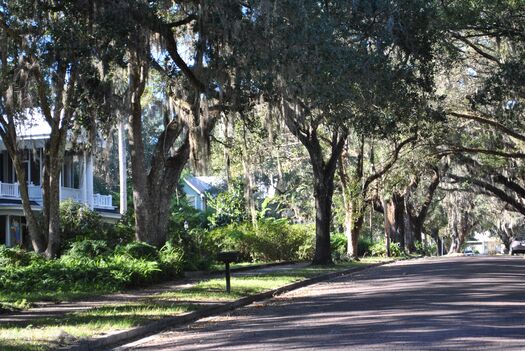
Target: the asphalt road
(461, 303)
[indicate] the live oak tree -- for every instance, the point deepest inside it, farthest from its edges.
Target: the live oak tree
(487, 105)
(336, 66)
(196, 89)
(359, 187)
(47, 66)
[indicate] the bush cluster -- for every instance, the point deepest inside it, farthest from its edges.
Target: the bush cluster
(89, 265)
(379, 249)
(269, 240)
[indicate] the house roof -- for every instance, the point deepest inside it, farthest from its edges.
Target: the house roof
(32, 130)
(205, 184)
(33, 126)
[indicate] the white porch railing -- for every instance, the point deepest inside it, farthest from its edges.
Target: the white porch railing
(102, 201)
(9, 190)
(12, 191)
(70, 193)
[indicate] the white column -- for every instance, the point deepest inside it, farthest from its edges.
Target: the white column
(122, 168)
(83, 179)
(89, 179)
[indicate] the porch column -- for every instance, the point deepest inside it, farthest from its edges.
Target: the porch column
(89, 179)
(83, 179)
(122, 168)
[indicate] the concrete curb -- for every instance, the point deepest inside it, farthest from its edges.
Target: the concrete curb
(126, 336)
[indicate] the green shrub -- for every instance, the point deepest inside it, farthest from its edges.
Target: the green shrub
(277, 240)
(338, 243)
(130, 271)
(84, 269)
(171, 260)
(425, 250)
(228, 206)
(271, 240)
(364, 246)
(379, 249)
(232, 238)
(396, 251)
(16, 256)
(88, 248)
(78, 222)
(306, 235)
(139, 250)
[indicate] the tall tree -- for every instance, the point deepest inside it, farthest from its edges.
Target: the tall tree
(331, 71)
(51, 50)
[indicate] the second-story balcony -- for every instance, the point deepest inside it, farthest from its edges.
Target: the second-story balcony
(12, 191)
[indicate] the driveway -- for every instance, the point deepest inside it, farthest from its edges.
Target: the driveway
(460, 303)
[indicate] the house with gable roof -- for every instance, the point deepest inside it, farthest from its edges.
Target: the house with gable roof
(198, 189)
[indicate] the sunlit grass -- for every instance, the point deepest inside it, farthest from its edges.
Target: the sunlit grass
(215, 289)
(46, 333)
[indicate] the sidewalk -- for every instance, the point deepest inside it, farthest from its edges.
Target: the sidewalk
(50, 309)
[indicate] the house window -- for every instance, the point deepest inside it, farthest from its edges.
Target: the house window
(192, 201)
(66, 173)
(71, 172)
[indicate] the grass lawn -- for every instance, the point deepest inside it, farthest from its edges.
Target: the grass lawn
(47, 333)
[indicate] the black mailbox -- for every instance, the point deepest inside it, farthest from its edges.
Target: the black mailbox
(227, 257)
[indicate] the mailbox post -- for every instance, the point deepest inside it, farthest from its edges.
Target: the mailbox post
(226, 257)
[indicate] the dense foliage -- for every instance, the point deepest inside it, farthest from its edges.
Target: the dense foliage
(88, 266)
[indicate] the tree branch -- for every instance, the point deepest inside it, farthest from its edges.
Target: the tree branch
(389, 164)
(502, 195)
(476, 48)
(460, 149)
(182, 22)
(490, 122)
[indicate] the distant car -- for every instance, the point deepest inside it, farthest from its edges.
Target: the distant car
(517, 246)
(468, 252)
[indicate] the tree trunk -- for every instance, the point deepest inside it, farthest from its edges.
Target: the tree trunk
(408, 230)
(353, 198)
(395, 220)
(36, 235)
(153, 191)
(323, 192)
(51, 189)
(434, 233)
(54, 239)
(388, 215)
(357, 218)
(323, 172)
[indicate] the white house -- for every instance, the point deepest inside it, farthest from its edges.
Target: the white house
(76, 182)
(198, 188)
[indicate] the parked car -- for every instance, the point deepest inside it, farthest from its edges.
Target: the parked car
(517, 246)
(468, 252)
